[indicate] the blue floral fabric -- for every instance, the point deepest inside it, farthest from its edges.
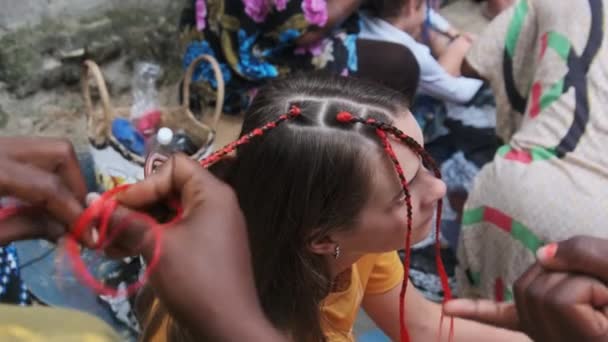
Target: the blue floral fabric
(255, 40)
(12, 288)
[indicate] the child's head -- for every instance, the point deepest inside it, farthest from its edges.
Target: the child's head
(314, 183)
(413, 10)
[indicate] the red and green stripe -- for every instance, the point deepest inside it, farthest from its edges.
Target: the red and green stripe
(526, 156)
(558, 42)
(502, 293)
(515, 26)
(517, 230)
(542, 98)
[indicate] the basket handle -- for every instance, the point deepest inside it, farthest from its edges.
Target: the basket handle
(92, 69)
(219, 103)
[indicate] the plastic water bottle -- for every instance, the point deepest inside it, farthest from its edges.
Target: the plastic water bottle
(183, 144)
(144, 89)
(159, 151)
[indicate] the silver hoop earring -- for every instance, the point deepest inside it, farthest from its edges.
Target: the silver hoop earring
(337, 252)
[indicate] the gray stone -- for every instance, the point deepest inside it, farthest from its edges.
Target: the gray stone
(105, 50)
(25, 124)
(3, 118)
(71, 74)
(28, 87)
(49, 64)
(20, 13)
(72, 55)
(51, 73)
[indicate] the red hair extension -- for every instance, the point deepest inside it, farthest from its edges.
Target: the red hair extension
(294, 111)
(381, 128)
(408, 237)
(103, 208)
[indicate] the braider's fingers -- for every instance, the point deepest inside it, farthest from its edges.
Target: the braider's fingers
(502, 315)
(170, 180)
(581, 254)
(576, 304)
(520, 293)
(51, 155)
(40, 189)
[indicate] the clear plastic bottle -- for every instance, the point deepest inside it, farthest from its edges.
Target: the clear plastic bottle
(145, 94)
(159, 151)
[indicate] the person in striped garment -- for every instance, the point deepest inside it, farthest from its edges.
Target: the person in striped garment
(548, 182)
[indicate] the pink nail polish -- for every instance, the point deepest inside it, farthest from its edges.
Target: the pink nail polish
(547, 252)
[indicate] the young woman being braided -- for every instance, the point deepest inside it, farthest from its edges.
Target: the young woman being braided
(315, 175)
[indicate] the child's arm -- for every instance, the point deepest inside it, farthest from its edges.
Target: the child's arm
(453, 56)
(439, 23)
(422, 319)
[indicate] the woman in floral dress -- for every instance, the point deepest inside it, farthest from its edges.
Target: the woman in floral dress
(257, 40)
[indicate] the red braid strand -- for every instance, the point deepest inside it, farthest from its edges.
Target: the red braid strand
(345, 117)
(294, 112)
(429, 162)
(408, 237)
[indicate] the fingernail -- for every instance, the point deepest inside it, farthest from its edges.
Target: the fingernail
(92, 197)
(547, 252)
(95, 235)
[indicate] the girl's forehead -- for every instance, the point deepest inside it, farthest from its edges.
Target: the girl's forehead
(407, 124)
(385, 176)
(409, 160)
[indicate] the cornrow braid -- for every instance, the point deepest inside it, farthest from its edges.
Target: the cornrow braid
(381, 128)
(408, 237)
(294, 111)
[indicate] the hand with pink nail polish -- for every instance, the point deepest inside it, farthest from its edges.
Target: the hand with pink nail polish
(563, 297)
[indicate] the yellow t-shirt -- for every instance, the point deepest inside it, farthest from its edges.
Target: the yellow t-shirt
(37, 323)
(373, 274)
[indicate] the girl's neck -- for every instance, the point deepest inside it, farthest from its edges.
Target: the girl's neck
(342, 264)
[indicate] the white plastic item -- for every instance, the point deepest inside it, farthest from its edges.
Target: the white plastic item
(159, 151)
(164, 136)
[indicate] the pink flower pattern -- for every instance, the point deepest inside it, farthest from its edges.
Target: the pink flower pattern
(281, 5)
(315, 49)
(315, 11)
(201, 14)
(257, 10)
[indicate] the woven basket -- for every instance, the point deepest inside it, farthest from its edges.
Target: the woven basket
(114, 163)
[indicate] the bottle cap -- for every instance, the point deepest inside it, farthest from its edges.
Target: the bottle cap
(164, 136)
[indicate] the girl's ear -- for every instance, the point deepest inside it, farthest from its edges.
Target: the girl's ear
(321, 244)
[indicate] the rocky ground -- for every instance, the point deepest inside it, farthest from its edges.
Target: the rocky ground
(40, 67)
